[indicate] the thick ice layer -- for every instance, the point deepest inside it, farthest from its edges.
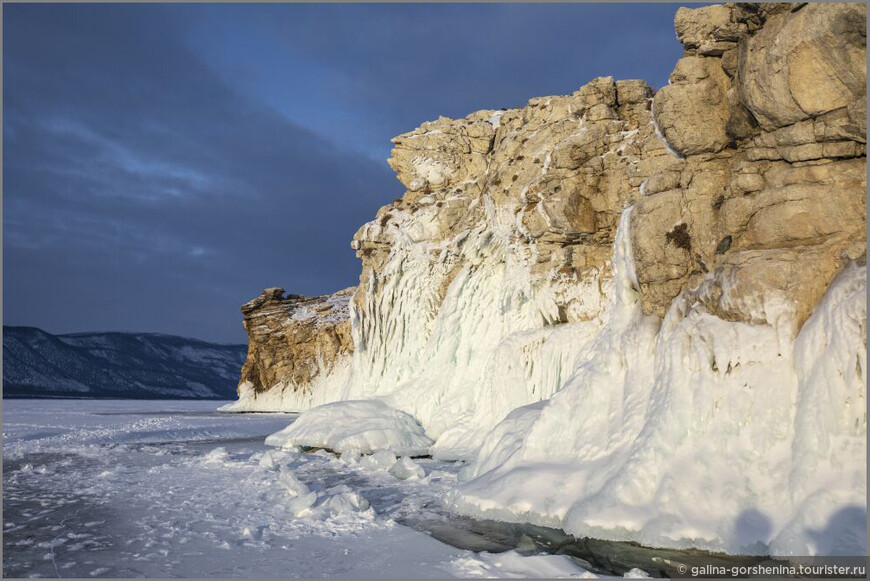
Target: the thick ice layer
(692, 432)
(707, 433)
(361, 426)
(460, 364)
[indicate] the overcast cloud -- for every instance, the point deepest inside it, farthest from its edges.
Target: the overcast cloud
(164, 163)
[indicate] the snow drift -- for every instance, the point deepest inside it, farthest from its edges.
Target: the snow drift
(361, 426)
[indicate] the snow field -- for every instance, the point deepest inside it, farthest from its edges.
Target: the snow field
(186, 503)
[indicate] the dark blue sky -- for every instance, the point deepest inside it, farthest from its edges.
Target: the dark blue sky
(164, 163)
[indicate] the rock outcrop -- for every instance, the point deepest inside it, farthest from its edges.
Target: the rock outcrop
(749, 206)
(294, 342)
(767, 112)
(550, 179)
(507, 229)
(646, 269)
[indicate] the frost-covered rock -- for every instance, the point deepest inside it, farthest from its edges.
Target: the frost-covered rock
(356, 427)
(477, 293)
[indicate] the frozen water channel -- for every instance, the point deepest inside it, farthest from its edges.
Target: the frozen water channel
(175, 489)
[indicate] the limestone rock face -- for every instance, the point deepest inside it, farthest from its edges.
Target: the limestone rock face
(804, 63)
(294, 340)
(708, 31)
(765, 118)
(549, 179)
(507, 228)
(697, 97)
(774, 152)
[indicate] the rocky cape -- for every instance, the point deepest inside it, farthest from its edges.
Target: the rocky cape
(650, 305)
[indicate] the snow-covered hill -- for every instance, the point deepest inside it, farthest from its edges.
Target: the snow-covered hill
(127, 365)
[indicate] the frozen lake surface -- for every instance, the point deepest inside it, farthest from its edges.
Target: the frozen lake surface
(127, 488)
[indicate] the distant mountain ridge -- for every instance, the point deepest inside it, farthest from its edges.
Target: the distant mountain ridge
(117, 364)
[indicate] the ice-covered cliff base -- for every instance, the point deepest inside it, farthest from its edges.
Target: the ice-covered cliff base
(696, 432)
(711, 434)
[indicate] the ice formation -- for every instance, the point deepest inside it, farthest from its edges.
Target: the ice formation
(484, 351)
(713, 434)
(286, 397)
(692, 432)
(361, 426)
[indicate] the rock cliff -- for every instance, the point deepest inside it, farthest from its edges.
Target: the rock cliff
(294, 342)
(767, 110)
(624, 293)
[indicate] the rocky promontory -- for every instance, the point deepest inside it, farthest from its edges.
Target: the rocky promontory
(625, 289)
(294, 341)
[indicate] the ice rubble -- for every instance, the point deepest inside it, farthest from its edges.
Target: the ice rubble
(407, 469)
(336, 502)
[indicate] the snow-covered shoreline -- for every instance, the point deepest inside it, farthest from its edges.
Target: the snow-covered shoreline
(173, 489)
(169, 488)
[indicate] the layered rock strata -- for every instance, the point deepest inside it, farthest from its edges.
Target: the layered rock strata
(767, 113)
(294, 343)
